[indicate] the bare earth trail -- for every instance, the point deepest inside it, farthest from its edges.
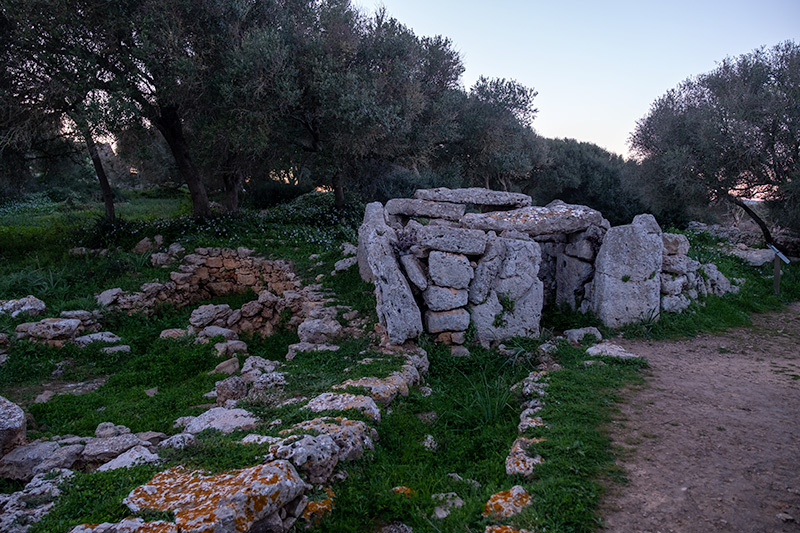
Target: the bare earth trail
(712, 443)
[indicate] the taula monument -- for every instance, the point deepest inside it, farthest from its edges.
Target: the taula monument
(448, 258)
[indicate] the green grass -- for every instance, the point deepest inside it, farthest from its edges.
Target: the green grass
(94, 498)
(476, 425)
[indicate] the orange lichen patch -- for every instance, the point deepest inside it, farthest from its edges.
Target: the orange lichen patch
(504, 529)
(316, 511)
(405, 491)
(201, 503)
(507, 503)
(520, 461)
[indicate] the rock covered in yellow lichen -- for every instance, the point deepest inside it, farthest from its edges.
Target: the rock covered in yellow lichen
(233, 501)
(316, 510)
(504, 529)
(520, 460)
(507, 503)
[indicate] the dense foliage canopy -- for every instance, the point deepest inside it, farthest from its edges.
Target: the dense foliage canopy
(730, 134)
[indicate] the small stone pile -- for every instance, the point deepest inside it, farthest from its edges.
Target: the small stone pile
(64, 329)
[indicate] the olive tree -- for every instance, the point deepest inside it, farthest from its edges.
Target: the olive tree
(728, 135)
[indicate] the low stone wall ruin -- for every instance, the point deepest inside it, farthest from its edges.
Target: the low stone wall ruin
(439, 268)
(205, 274)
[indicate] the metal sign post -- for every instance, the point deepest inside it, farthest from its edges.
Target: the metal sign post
(776, 270)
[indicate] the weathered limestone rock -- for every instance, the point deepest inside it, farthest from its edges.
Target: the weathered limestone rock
(179, 441)
(29, 305)
(520, 462)
(303, 347)
(20, 462)
(109, 429)
(318, 331)
(608, 349)
(135, 456)
(254, 366)
(415, 271)
(102, 450)
(487, 270)
(424, 208)
(352, 437)
(454, 240)
(556, 217)
(450, 270)
(397, 310)
(103, 336)
(330, 401)
(221, 419)
(454, 320)
(575, 336)
(240, 500)
(675, 244)
(627, 285)
(229, 366)
(674, 304)
(23, 508)
(755, 257)
(343, 264)
(232, 388)
(315, 456)
(716, 282)
(173, 333)
(108, 297)
(444, 298)
(49, 329)
(514, 303)
(209, 332)
(507, 503)
(450, 501)
(12, 426)
(474, 195)
(205, 315)
(383, 391)
(128, 525)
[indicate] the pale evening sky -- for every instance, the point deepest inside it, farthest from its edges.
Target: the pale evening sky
(597, 65)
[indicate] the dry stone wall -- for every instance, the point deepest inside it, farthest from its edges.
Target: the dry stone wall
(447, 259)
(205, 274)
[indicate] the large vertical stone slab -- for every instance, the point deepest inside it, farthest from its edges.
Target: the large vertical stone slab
(12, 426)
(513, 306)
(397, 310)
(627, 284)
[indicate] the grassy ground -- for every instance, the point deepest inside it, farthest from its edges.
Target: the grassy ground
(476, 413)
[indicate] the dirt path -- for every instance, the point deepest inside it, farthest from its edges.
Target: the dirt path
(712, 443)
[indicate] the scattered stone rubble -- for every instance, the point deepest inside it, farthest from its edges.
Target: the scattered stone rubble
(439, 268)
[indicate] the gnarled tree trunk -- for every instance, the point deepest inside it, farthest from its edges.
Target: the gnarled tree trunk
(169, 124)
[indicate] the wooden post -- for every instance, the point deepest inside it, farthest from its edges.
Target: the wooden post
(776, 276)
